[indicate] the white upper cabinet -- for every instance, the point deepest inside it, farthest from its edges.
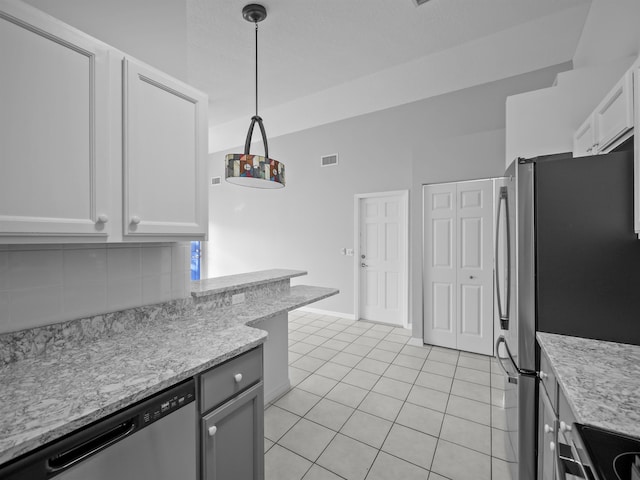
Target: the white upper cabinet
(614, 116)
(164, 150)
(584, 139)
(53, 129)
(94, 145)
(610, 124)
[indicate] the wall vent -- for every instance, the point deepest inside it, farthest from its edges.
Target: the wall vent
(216, 180)
(329, 160)
(420, 2)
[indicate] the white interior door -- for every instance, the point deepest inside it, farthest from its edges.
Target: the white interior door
(382, 263)
(475, 267)
(458, 265)
(440, 264)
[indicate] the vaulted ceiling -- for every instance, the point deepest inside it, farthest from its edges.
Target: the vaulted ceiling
(308, 47)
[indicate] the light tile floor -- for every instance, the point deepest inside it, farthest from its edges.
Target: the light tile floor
(366, 405)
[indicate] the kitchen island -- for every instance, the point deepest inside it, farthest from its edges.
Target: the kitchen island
(59, 378)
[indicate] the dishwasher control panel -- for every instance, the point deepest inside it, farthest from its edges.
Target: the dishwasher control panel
(164, 404)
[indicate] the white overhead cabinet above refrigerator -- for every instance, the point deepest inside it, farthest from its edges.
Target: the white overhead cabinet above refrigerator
(74, 157)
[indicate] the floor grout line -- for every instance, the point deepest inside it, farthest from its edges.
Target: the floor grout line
(396, 351)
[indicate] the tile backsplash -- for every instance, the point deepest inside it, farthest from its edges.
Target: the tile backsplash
(40, 285)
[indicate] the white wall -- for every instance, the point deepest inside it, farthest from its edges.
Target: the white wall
(154, 31)
(456, 136)
(611, 31)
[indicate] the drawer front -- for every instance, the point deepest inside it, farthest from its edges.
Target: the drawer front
(548, 380)
(226, 380)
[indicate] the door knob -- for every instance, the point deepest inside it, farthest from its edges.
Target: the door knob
(363, 264)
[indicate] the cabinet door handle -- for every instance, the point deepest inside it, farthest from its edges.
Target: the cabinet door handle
(212, 430)
(102, 218)
(543, 375)
(135, 220)
(547, 428)
(552, 446)
(237, 377)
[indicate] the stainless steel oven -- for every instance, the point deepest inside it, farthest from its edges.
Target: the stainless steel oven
(596, 454)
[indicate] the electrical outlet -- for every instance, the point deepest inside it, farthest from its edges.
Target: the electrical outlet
(237, 298)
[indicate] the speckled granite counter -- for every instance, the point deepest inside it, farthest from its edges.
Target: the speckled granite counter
(601, 380)
(211, 286)
(60, 389)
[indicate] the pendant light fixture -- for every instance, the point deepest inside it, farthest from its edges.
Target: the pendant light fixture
(243, 168)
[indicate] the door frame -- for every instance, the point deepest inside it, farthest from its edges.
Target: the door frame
(404, 198)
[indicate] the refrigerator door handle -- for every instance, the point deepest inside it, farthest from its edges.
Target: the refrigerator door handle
(520, 371)
(503, 314)
(510, 378)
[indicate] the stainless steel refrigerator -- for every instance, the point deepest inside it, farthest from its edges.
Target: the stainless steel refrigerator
(567, 262)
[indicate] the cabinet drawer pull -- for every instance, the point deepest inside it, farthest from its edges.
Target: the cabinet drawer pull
(552, 446)
(547, 428)
(212, 430)
(102, 218)
(237, 377)
(543, 375)
(564, 427)
(135, 220)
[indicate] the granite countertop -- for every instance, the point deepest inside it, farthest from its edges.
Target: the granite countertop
(601, 380)
(46, 397)
(211, 286)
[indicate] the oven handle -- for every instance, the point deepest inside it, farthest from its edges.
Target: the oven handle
(568, 461)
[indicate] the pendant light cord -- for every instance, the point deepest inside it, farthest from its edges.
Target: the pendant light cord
(256, 69)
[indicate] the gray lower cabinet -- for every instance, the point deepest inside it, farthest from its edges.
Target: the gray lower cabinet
(233, 438)
(232, 424)
(547, 427)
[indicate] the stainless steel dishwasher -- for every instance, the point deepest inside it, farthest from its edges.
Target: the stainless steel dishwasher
(154, 439)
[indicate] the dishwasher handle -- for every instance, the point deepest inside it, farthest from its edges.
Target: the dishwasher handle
(79, 452)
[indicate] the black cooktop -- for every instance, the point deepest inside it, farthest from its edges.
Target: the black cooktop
(612, 454)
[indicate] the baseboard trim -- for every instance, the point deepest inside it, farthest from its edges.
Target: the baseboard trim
(320, 311)
(275, 394)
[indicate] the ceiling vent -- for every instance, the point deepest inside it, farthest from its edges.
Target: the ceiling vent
(420, 2)
(329, 160)
(216, 180)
